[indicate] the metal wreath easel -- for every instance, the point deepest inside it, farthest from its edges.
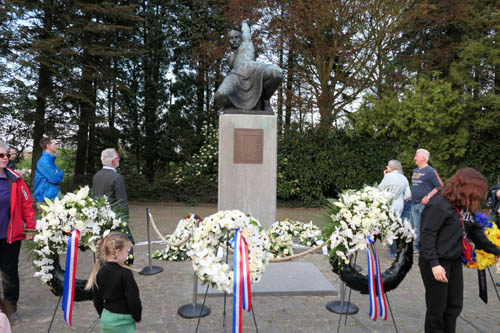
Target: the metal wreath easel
(348, 308)
(224, 316)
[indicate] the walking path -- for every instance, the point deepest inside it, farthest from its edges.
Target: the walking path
(164, 293)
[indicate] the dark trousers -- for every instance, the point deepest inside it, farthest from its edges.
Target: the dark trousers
(443, 300)
(9, 258)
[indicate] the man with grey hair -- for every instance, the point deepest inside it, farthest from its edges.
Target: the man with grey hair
(395, 182)
(109, 182)
(425, 184)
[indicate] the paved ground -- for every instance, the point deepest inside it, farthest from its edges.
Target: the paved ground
(164, 293)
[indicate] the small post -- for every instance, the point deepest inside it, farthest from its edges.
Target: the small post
(150, 269)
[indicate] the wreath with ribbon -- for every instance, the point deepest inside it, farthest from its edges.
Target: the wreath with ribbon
(93, 217)
(355, 221)
(210, 246)
(184, 229)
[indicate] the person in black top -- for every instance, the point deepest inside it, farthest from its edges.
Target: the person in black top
(12, 158)
(441, 246)
(116, 295)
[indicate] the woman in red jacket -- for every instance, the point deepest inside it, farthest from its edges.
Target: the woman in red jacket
(17, 222)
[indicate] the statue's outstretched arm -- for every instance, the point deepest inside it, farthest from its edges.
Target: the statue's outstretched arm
(245, 31)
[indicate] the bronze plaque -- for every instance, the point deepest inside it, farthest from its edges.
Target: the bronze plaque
(248, 146)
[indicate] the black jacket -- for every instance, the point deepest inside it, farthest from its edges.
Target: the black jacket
(110, 183)
(441, 232)
(117, 291)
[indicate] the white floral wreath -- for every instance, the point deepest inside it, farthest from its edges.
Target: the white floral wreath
(357, 215)
(92, 216)
(282, 232)
(208, 248)
(184, 229)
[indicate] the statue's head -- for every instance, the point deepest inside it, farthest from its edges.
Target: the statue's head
(234, 39)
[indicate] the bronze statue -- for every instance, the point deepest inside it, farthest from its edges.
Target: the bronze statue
(250, 84)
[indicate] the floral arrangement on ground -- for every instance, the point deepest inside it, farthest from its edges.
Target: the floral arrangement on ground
(357, 215)
(209, 244)
(184, 229)
(482, 259)
(281, 234)
(94, 218)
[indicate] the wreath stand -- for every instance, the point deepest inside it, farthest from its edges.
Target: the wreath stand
(194, 310)
(224, 316)
(494, 284)
(341, 307)
(57, 306)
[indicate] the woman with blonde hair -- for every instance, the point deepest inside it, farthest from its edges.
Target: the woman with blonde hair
(116, 295)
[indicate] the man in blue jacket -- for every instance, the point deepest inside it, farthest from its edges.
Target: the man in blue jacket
(47, 175)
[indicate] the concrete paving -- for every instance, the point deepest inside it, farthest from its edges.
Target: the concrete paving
(286, 279)
(164, 293)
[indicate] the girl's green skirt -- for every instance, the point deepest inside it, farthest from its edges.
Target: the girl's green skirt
(116, 322)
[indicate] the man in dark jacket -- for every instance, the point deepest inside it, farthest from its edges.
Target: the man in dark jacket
(109, 182)
(493, 201)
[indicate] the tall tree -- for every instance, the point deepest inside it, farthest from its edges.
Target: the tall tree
(432, 30)
(93, 29)
(336, 43)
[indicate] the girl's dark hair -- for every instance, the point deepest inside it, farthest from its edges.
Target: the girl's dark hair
(466, 189)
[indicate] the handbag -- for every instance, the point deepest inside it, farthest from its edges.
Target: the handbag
(467, 245)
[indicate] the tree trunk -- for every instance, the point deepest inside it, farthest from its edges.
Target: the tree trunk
(289, 90)
(44, 89)
(90, 168)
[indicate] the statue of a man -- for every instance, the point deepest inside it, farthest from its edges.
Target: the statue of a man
(250, 84)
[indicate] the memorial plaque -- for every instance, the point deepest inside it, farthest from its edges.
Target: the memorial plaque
(248, 146)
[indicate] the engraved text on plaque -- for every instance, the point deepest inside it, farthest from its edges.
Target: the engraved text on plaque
(248, 146)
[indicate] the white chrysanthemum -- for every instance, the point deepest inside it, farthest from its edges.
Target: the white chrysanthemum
(59, 217)
(215, 230)
(363, 214)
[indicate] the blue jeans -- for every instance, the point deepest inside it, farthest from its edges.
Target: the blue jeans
(416, 214)
(404, 215)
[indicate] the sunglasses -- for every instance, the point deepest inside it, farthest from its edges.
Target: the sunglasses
(2, 155)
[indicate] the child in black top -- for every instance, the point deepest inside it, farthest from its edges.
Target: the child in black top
(116, 295)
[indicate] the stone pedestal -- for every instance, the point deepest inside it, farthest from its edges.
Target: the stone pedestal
(248, 165)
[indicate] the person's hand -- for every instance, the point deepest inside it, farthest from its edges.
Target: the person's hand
(439, 273)
(30, 236)
(425, 200)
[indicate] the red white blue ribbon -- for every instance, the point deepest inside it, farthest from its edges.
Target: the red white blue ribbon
(69, 276)
(375, 283)
(242, 298)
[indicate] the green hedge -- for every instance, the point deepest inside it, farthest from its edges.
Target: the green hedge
(315, 165)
